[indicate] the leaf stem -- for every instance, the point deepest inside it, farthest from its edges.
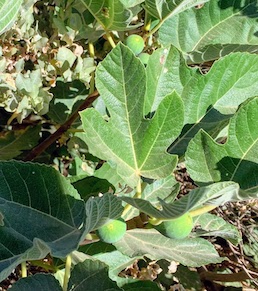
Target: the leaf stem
(110, 39)
(138, 194)
(67, 274)
(202, 210)
(23, 270)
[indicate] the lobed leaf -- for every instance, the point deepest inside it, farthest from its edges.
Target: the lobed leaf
(149, 242)
(138, 145)
(211, 99)
(212, 31)
(236, 160)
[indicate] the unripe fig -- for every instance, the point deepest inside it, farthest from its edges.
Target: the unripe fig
(135, 43)
(113, 231)
(177, 228)
(144, 57)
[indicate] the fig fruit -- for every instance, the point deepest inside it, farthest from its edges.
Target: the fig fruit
(113, 231)
(177, 228)
(135, 43)
(144, 57)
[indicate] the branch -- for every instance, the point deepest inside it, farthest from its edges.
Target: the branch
(235, 277)
(63, 128)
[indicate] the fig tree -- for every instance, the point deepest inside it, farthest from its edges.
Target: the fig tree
(135, 43)
(177, 228)
(113, 231)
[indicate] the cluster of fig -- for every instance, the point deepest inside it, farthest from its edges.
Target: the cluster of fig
(177, 228)
(136, 44)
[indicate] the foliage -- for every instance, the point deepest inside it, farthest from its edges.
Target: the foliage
(117, 159)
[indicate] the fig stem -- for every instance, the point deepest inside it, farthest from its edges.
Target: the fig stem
(68, 264)
(110, 39)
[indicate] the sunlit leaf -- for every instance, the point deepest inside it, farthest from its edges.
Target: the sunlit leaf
(166, 71)
(213, 225)
(8, 11)
(215, 194)
(214, 30)
(112, 15)
(189, 252)
(167, 8)
(211, 99)
(138, 145)
(236, 160)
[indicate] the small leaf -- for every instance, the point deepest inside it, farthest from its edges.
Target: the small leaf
(39, 282)
(212, 225)
(67, 97)
(117, 262)
(121, 81)
(14, 142)
(189, 252)
(236, 160)
(99, 210)
(8, 11)
(161, 189)
(91, 275)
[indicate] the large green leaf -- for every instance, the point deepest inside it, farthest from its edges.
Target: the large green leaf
(134, 145)
(39, 282)
(8, 11)
(149, 242)
(218, 28)
(40, 213)
(236, 160)
(163, 9)
(112, 15)
(211, 99)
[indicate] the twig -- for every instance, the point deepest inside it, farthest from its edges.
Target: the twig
(63, 128)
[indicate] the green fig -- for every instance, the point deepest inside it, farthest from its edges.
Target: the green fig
(177, 228)
(113, 231)
(144, 57)
(135, 43)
